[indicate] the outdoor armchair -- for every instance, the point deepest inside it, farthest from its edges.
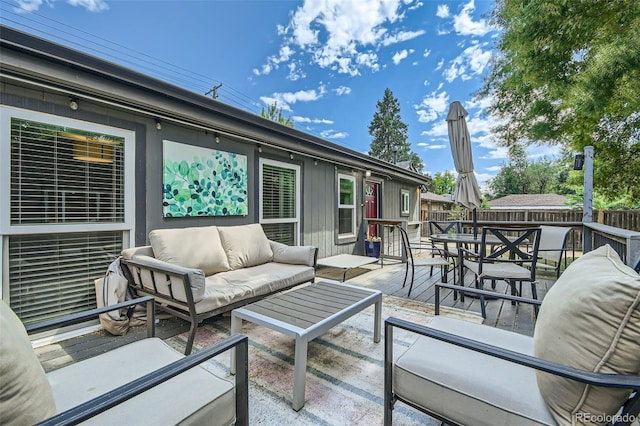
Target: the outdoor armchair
(582, 365)
(510, 261)
(145, 382)
(445, 227)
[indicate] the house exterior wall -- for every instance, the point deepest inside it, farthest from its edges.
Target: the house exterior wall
(37, 83)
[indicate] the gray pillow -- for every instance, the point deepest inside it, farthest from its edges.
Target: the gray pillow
(589, 319)
(25, 394)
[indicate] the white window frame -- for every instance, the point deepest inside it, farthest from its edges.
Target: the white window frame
(352, 234)
(6, 229)
(405, 202)
(295, 220)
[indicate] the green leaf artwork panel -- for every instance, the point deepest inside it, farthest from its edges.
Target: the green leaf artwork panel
(199, 181)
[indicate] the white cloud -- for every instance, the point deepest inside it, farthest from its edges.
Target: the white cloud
(343, 35)
(273, 61)
(90, 5)
(472, 61)
(443, 11)
(27, 6)
(299, 119)
(438, 130)
(426, 52)
(432, 146)
(493, 168)
(440, 64)
(333, 134)
(432, 106)
(464, 24)
(401, 36)
(286, 99)
(418, 5)
(499, 153)
(399, 56)
(295, 72)
(342, 90)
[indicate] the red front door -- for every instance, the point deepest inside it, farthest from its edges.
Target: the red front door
(371, 207)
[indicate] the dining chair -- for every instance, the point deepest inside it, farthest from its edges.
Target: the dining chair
(447, 227)
(513, 261)
(440, 259)
(553, 240)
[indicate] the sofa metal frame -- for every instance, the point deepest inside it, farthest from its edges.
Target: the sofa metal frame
(631, 408)
(184, 310)
(125, 392)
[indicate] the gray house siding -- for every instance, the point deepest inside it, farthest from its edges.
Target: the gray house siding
(40, 76)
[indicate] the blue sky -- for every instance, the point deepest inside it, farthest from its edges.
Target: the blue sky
(326, 62)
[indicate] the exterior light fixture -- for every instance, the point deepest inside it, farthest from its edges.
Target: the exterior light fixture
(158, 125)
(259, 148)
(578, 161)
(367, 173)
(73, 104)
(291, 156)
(217, 138)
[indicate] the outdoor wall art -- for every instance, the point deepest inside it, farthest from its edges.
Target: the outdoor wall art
(199, 181)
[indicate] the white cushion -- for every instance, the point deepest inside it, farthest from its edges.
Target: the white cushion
(196, 248)
(294, 255)
(590, 319)
(469, 387)
(193, 397)
(25, 395)
(245, 245)
(226, 288)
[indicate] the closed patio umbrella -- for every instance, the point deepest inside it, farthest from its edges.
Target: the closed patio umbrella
(467, 191)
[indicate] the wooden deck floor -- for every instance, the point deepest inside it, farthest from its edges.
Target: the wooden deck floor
(387, 279)
(500, 313)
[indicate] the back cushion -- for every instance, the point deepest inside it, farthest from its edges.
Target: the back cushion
(195, 248)
(589, 319)
(245, 245)
(25, 394)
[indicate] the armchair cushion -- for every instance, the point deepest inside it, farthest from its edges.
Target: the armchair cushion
(590, 319)
(245, 245)
(197, 248)
(463, 383)
(25, 395)
(293, 255)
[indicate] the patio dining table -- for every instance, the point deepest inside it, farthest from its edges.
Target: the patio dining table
(460, 239)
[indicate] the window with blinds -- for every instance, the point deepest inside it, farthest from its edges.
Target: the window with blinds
(52, 275)
(61, 176)
(346, 206)
(279, 201)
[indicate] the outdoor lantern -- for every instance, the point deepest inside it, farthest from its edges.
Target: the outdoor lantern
(578, 162)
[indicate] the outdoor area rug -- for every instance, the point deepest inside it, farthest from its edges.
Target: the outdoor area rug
(345, 368)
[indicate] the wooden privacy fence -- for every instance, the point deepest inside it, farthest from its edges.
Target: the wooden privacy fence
(625, 219)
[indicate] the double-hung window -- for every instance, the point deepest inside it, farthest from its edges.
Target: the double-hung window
(346, 207)
(67, 210)
(280, 201)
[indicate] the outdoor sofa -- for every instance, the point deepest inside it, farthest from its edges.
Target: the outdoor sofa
(581, 367)
(144, 382)
(200, 272)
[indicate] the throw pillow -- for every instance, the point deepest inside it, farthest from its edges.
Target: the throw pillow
(25, 394)
(590, 320)
(194, 248)
(245, 245)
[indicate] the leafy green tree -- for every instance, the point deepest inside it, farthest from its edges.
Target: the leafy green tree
(568, 72)
(274, 113)
(389, 133)
(443, 183)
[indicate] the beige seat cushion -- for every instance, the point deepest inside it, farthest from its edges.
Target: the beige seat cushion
(245, 245)
(469, 387)
(194, 397)
(590, 319)
(195, 248)
(25, 395)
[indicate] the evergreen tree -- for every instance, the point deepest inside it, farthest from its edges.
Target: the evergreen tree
(389, 133)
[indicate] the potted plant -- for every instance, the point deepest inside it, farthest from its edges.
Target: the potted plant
(372, 246)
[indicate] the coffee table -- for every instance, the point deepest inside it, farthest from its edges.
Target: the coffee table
(346, 262)
(306, 313)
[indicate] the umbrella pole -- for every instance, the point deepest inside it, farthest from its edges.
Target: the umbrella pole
(475, 224)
